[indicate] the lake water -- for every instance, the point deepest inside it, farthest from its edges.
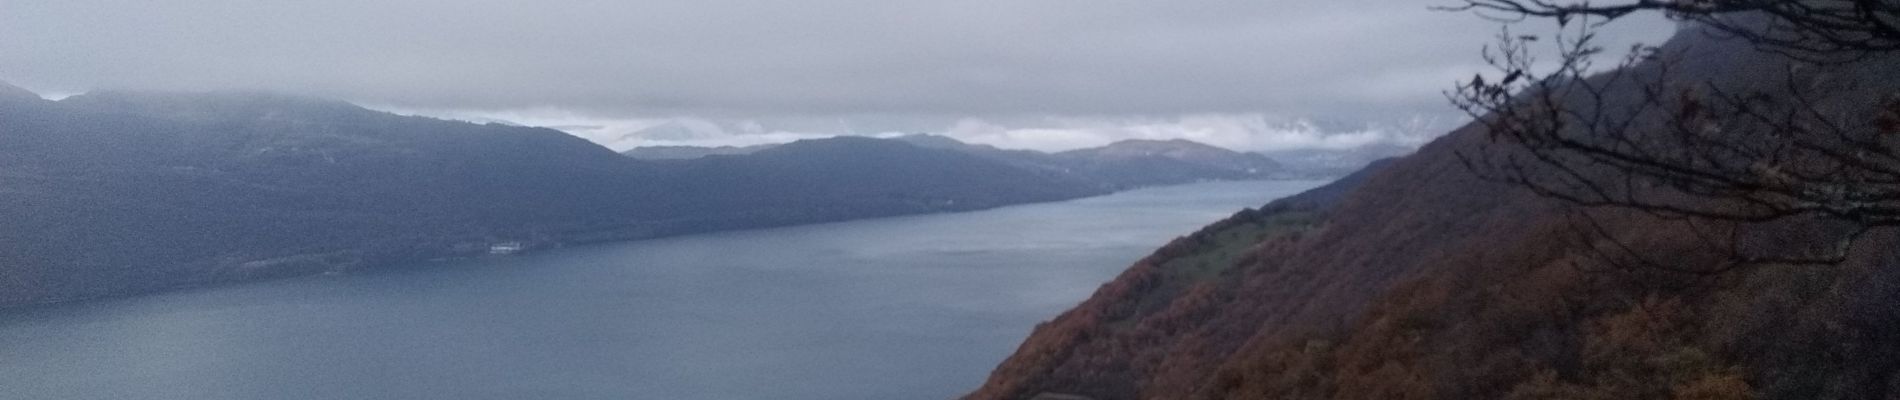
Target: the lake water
(918, 307)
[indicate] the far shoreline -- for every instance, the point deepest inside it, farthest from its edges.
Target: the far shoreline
(439, 262)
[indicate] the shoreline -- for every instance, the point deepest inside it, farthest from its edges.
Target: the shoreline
(364, 264)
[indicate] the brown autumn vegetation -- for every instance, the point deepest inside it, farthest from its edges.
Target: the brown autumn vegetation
(1536, 322)
(1430, 282)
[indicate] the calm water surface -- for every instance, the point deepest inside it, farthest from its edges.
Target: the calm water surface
(915, 307)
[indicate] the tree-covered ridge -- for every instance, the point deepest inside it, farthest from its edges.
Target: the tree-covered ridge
(1433, 280)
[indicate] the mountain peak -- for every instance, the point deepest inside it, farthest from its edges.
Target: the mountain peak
(1170, 148)
(934, 141)
(1176, 143)
(928, 139)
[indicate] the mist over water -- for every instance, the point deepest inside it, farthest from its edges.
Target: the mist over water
(915, 307)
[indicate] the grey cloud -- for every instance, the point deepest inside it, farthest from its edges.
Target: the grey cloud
(1331, 59)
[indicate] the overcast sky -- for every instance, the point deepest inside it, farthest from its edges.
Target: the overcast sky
(1050, 74)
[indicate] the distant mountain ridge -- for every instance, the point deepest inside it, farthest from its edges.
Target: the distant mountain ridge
(1336, 162)
(1182, 149)
(122, 192)
(1160, 162)
(659, 153)
(1119, 165)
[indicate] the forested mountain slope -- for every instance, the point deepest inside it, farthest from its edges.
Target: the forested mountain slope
(1427, 282)
(121, 192)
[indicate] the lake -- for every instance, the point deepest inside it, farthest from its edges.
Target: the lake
(918, 307)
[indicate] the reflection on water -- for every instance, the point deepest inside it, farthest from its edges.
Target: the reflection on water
(911, 307)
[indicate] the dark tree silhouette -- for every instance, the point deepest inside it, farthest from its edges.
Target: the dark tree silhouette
(1805, 29)
(1650, 138)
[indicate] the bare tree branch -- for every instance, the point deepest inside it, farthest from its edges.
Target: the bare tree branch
(1814, 30)
(1678, 148)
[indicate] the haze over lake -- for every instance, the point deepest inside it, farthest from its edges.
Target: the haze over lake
(912, 307)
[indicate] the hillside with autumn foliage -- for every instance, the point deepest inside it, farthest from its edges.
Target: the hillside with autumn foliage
(1428, 281)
